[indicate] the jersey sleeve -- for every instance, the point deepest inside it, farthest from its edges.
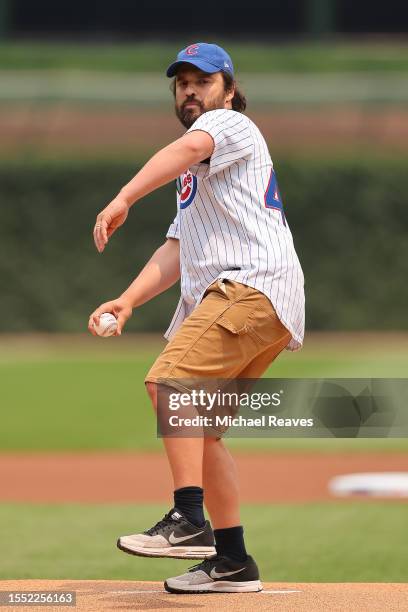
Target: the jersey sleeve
(174, 229)
(232, 135)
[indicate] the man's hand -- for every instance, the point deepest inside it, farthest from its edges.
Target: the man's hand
(108, 221)
(120, 308)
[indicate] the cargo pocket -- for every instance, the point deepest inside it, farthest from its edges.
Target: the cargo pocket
(235, 319)
(255, 317)
(227, 324)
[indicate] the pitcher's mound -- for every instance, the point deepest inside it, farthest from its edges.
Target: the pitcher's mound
(95, 595)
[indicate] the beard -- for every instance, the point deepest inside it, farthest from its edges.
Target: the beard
(187, 116)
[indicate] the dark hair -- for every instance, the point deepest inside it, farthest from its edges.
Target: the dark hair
(238, 102)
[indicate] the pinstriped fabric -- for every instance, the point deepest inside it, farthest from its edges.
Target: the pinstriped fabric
(227, 231)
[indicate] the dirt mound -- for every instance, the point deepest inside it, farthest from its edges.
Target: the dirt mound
(115, 595)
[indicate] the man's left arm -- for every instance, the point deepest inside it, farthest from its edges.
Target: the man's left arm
(163, 167)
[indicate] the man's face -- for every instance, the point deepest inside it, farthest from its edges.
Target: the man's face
(198, 92)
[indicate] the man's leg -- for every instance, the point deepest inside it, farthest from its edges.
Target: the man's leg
(185, 455)
(198, 461)
(183, 532)
(220, 480)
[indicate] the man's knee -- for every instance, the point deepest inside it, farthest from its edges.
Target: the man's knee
(151, 389)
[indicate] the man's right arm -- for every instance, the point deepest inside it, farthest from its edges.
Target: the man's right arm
(161, 272)
(163, 167)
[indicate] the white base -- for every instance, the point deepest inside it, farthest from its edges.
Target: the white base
(371, 484)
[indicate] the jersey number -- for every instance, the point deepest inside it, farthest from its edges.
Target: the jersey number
(273, 197)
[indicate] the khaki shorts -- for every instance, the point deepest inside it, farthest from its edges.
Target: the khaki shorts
(233, 333)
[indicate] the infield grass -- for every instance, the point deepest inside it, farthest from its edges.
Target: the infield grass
(84, 393)
(335, 542)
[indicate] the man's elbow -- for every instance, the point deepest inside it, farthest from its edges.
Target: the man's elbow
(199, 145)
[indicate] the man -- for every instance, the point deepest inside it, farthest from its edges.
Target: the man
(242, 303)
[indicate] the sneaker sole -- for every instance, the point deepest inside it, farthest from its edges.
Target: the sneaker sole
(220, 586)
(174, 552)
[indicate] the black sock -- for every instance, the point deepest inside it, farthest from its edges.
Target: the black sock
(230, 543)
(189, 500)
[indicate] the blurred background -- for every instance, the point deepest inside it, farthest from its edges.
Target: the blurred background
(84, 101)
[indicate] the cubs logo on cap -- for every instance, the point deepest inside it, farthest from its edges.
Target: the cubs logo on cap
(192, 50)
(205, 56)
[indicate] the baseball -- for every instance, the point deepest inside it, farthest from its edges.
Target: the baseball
(107, 325)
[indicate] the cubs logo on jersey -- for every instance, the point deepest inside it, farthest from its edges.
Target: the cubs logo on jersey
(187, 188)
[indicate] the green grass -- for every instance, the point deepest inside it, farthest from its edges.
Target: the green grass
(88, 394)
(250, 57)
(336, 542)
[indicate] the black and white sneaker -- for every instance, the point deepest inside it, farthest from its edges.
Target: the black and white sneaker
(174, 536)
(218, 575)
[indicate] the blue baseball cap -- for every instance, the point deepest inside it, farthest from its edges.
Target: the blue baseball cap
(207, 57)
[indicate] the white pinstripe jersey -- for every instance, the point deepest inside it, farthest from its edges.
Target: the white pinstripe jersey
(231, 224)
